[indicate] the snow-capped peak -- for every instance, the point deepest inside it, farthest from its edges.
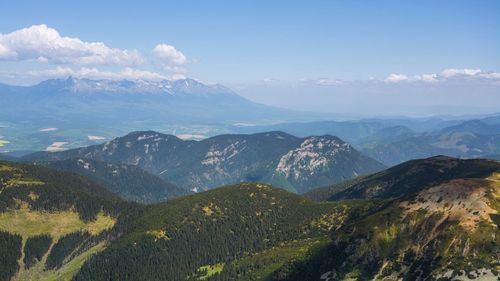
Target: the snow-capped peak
(180, 87)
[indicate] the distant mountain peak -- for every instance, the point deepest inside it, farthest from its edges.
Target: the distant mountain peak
(179, 87)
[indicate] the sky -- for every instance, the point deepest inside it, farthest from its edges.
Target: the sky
(383, 57)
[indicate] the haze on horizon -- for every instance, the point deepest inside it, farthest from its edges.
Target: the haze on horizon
(349, 58)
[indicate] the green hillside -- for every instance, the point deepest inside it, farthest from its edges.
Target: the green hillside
(429, 219)
(445, 228)
(40, 209)
(127, 181)
(230, 233)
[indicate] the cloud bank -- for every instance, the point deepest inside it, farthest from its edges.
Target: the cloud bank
(44, 45)
(94, 73)
(445, 75)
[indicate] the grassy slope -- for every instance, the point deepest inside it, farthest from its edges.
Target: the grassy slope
(28, 223)
(37, 201)
(64, 273)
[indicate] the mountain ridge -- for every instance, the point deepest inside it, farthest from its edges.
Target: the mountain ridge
(406, 179)
(126, 181)
(273, 157)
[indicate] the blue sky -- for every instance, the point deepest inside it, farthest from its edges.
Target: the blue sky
(245, 44)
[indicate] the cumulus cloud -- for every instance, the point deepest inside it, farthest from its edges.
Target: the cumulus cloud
(395, 78)
(169, 54)
(94, 73)
(44, 44)
(452, 72)
(75, 57)
(445, 75)
(321, 82)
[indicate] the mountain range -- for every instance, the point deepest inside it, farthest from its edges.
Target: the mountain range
(76, 112)
(67, 113)
(428, 219)
(393, 141)
(470, 139)
(97, 100)
(80, 111)
(298, 164)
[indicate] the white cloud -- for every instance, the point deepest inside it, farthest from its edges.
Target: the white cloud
(5, 53)
(56, 72)
(169, 54)
(445, 75)
(177, 76)
(44, 44)
(134, 74)
(320, 82)
(328, 82)
(396, 78)
(95, 73)
(428, 78)
(452, 72)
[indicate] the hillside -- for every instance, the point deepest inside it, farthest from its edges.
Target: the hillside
(127, 181)
(445, 230)
(51, 222)
(231, 233)
(297, 164)
(406, 178)
(421, 220)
